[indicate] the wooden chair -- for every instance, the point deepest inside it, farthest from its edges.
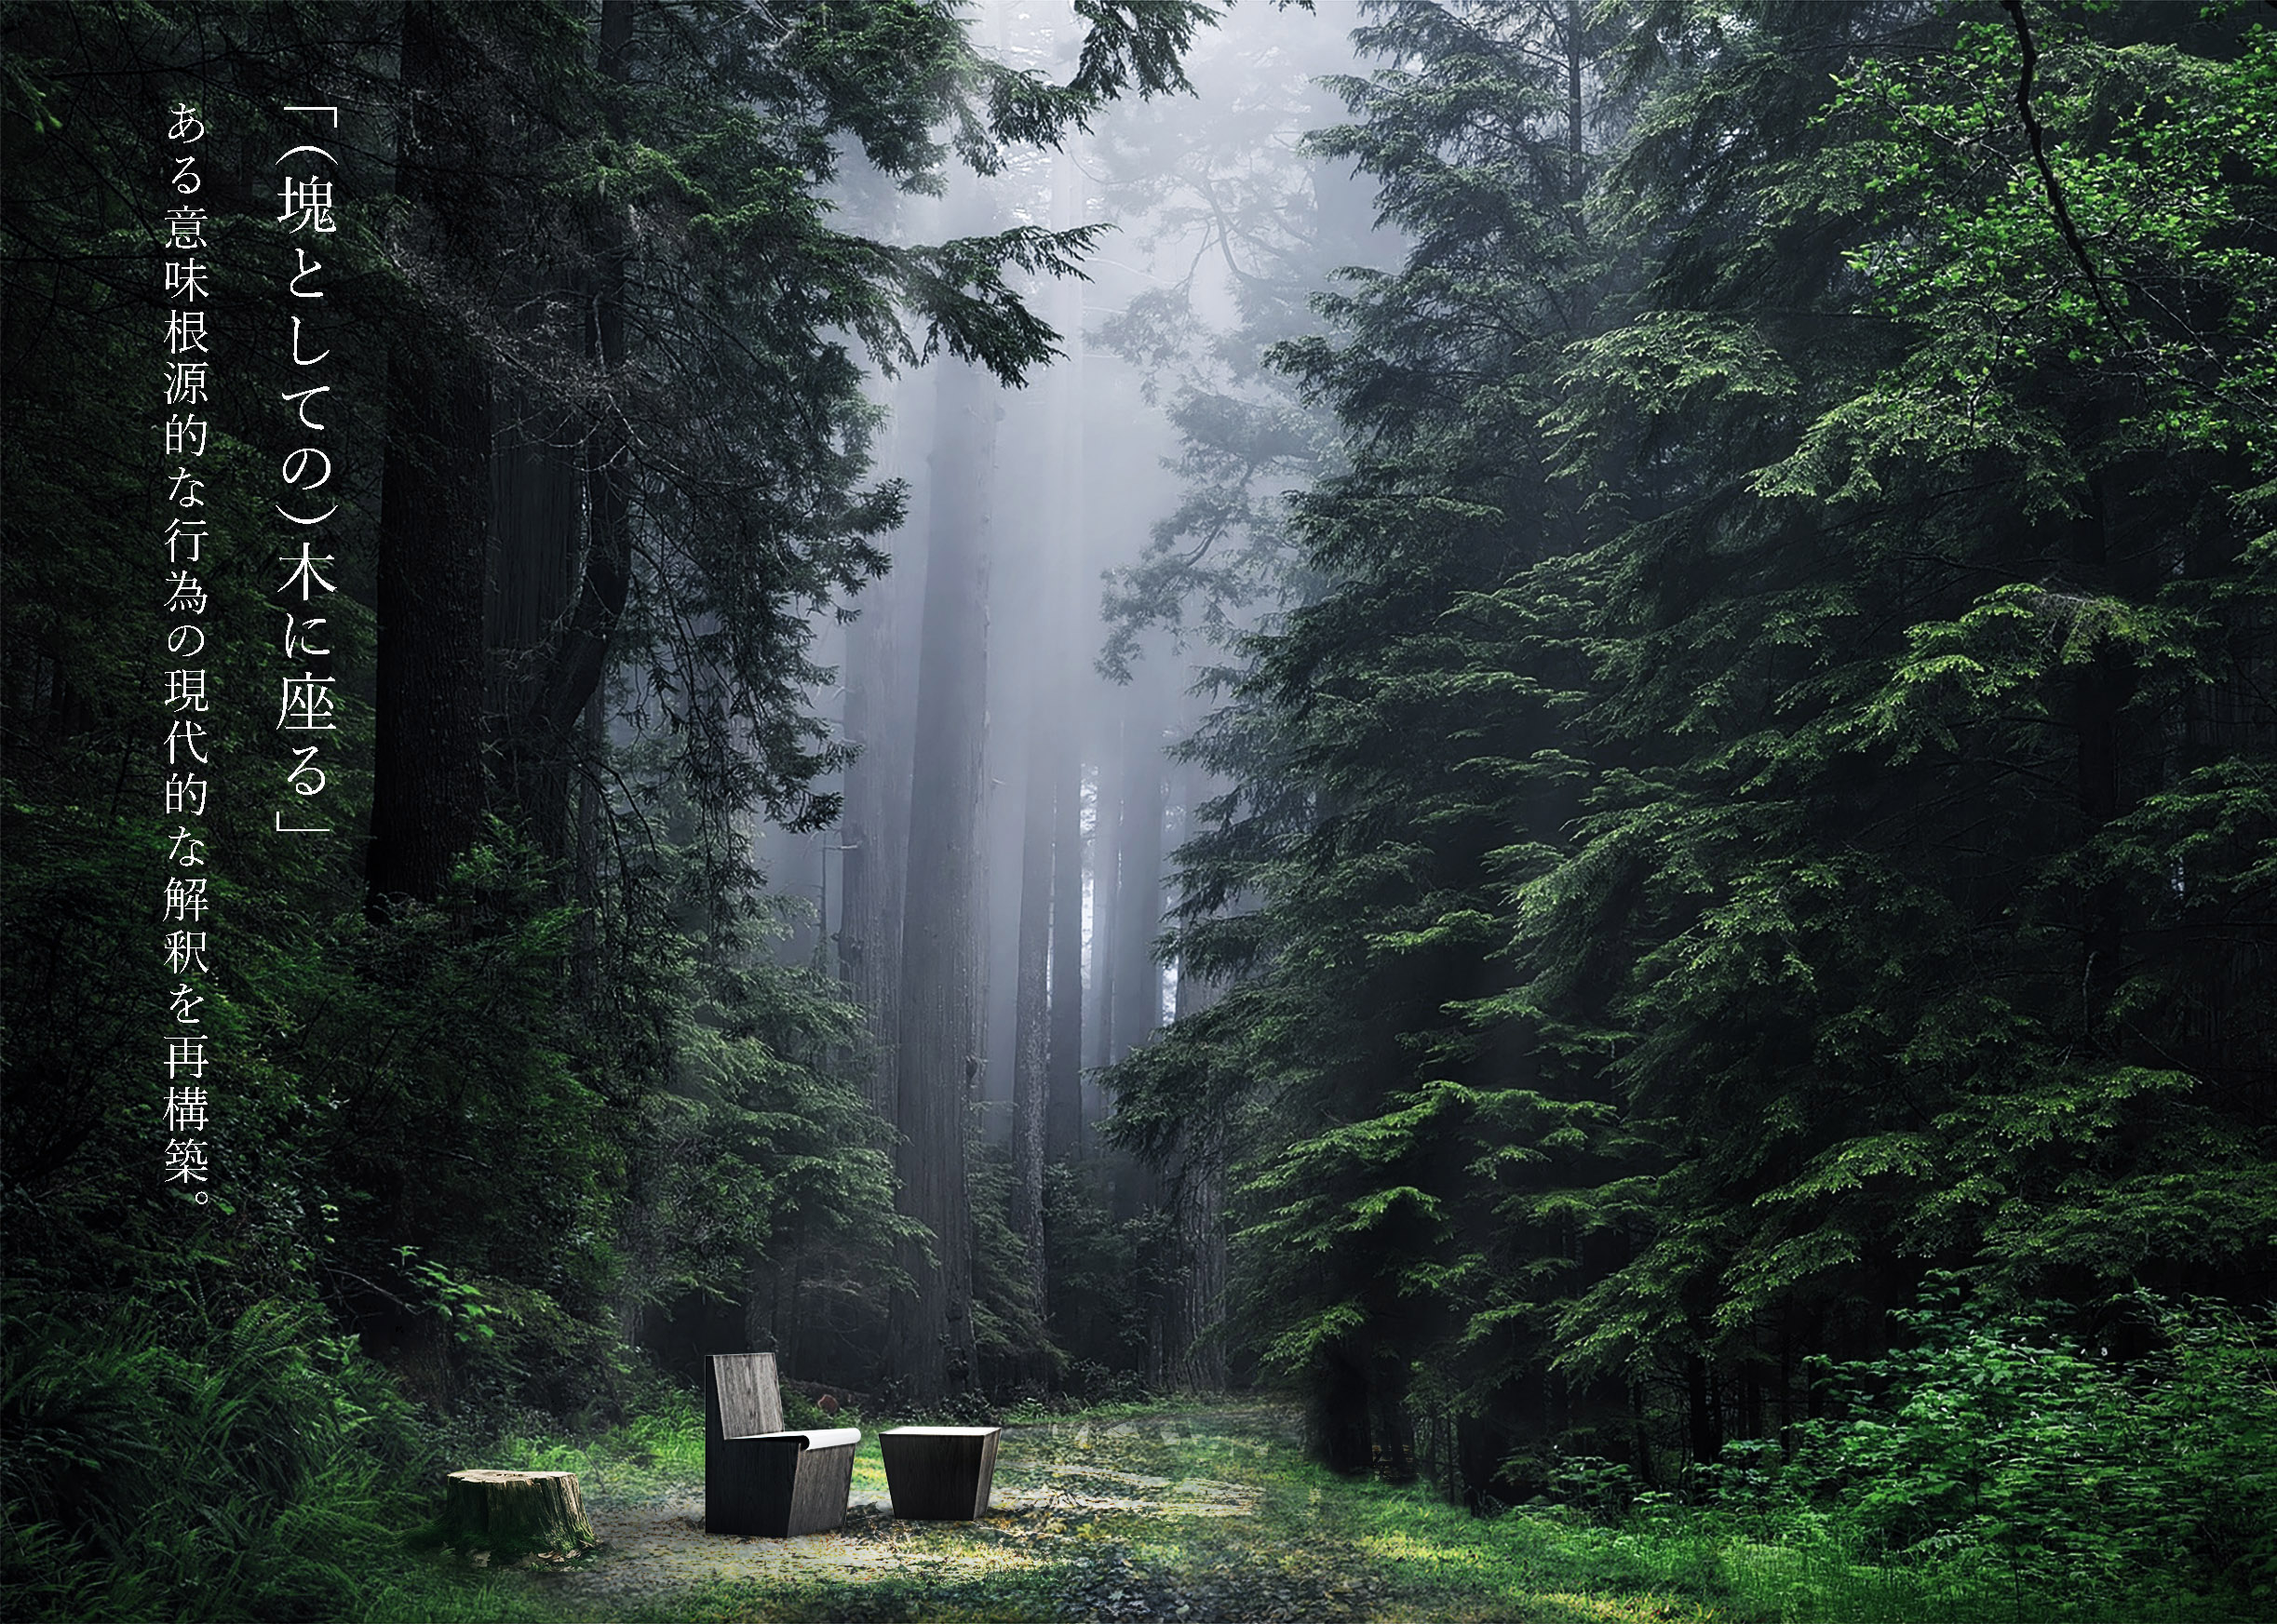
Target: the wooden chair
(758, 1478)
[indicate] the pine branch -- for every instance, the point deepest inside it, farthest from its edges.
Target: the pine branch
(2047, 173)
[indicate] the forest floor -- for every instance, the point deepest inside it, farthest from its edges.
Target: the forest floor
(1177, 1514)
(1195, 1515)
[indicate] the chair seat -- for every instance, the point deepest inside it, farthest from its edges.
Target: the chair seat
(813, 1438)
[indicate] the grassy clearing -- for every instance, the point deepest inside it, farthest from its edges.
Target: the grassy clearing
(1194, 1515)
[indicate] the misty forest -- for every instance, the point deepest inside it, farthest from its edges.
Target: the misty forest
(1481, 793)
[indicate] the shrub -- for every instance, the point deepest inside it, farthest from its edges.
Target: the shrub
(231, 1472)
(1992, 1435)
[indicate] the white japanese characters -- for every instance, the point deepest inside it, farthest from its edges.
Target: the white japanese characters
(185, 789)
(304, 707)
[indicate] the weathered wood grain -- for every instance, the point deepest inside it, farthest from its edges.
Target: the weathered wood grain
(939, 1473)
(758, 1478)
(742, 1398)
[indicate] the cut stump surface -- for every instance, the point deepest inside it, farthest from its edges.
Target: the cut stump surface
(514, 1510)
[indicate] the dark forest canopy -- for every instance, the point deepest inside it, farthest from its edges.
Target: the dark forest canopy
(1693, 703)
(1764, 790)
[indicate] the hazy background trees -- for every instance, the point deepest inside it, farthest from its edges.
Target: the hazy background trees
(1596, 705)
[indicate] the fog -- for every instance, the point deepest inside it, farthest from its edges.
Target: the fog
(1616, 839)
(1053, 494)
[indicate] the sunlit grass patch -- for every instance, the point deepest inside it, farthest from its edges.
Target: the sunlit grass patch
(1216, 1512)
(869, 1466)
(641, 1459)
(1556, 1607)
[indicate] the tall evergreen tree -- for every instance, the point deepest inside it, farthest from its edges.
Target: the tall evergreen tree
(1727, 838)
(1342, 894)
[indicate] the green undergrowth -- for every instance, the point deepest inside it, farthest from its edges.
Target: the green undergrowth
(166, 1466)
(1140, 1512)
(1194, 1513)
(643, 1458)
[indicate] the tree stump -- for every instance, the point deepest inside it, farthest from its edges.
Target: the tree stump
(510, 1514)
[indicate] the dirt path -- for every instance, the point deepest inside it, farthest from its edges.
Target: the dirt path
(1197, 1518)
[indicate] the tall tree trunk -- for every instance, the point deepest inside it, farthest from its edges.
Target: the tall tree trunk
(1704, 1423)
(1195, 992)
(1573, 112)
(582, 654)
(930, 1336)
(1106, 817)
(537, 528)
(426, 793)
(584, 970)
(1197, 1309)
(1340, 1411)
(1064, 1062)
(1197, 1340)
(1137, 979)
(1031, 1016)
(1064, 540)
(874, 824)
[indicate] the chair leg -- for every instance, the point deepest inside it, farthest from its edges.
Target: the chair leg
(818, 1495)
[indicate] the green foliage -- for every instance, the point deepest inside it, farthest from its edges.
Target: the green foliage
(1761, 789)
(1107, 1277)
(1378, 772)
(2084, 1474)
(470, 1136)
(1282, 226)
(1767, 793)
(244, 1471)
(1011, 1331)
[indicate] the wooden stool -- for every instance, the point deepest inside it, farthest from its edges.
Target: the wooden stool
(941, 1473)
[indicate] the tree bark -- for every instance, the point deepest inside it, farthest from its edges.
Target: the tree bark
(582, 653)
(537, 528)
(1704, 1423)
(517, 1511)
(1106, 817)
(1032, 1016)
(585, 965)
(1064, 1060)
(1197, 1310)
(874, 831)
(930, 1334)
(1137, 979)
(1195, 993)
(1573, 112)
(427, 794)
(1340, 1410)
(1197, 1320)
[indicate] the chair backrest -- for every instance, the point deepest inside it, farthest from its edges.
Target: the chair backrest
(740, 1396)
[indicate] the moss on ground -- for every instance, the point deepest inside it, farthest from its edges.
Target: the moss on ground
(1195, 1515)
